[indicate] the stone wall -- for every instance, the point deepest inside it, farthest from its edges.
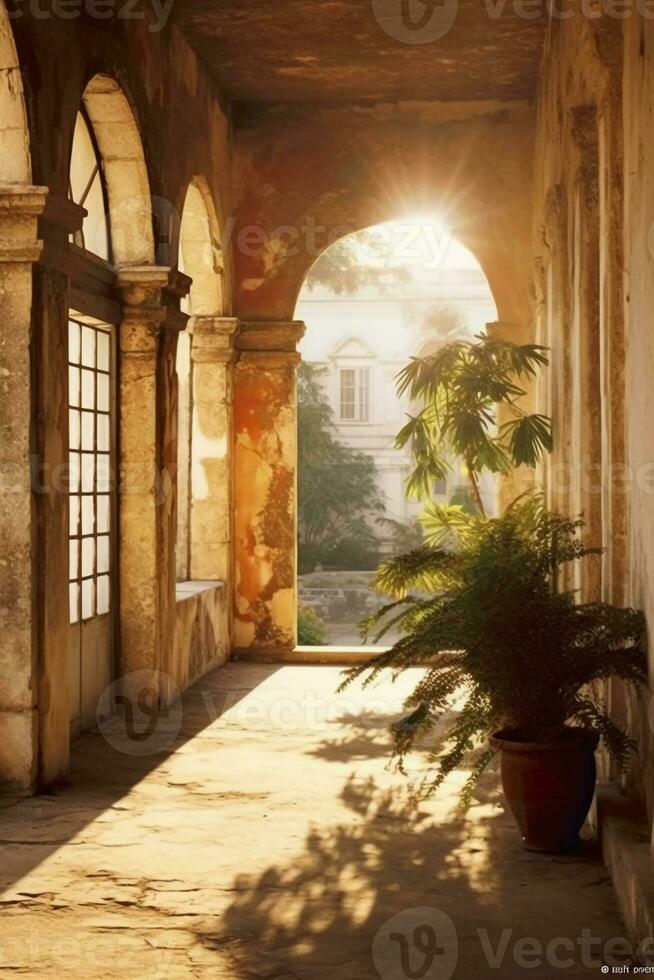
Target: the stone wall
(202, 634)
(639, 307)
(593, 275)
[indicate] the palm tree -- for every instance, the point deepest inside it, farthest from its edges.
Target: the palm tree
(463, 386)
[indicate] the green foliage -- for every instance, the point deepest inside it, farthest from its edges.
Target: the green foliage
(462, 386)
(401, 535)
(495, 630)
(311, 630)
(338, 496)
(356, 261)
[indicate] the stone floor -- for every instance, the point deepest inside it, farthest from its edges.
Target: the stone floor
(271, 841)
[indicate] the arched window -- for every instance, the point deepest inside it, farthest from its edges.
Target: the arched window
(87, 188)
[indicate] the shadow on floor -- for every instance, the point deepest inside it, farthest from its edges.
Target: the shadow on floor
(392, 892)
(101, 773)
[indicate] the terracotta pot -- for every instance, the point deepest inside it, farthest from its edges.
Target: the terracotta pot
(549, 786)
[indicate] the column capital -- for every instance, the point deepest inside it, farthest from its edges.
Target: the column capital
(144, 312)
(213, 338)
(142, 285)
(20, 207)
(274, 336)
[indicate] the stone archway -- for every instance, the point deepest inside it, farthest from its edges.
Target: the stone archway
(204, 357)
(125, 171)
(203, 439)
(309, 177)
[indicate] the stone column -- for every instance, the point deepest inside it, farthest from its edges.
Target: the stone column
(212, 356)
(20, 207)
(265, 475)
(142, 492)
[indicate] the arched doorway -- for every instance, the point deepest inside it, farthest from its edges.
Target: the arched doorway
(371, 302)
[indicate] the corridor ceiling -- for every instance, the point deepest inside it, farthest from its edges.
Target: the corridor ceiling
(334, 51)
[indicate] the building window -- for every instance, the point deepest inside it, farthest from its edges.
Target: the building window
(355, 394)
(91, 360)
(87, 188)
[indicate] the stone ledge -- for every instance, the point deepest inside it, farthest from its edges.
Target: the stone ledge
(624, 835)
(336, 656)
(188, 590)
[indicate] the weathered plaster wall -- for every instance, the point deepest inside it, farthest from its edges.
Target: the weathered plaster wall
(201, 639)
(304, 177)
(578, 284)
(593, 281)
(265, 486)
(639, 286)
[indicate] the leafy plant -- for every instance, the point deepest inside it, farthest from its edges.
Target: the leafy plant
(495, 630)
(463, 386)
(311, 631)
(356, 261)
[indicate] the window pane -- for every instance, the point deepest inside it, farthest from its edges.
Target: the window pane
(88, 557)
(104, 473)
(103, 354)
(88, 389)
(73, 386)
(88, 472)
(347, 394)
(87, 515)
(74, 478)
(74, 515)
(73, 560)
(364, 395)
(88, 347)
(103, 392)
(73, 598)
(103, 595)
(74, 430)
(103, 515)
(88, 431)
(103, 554)
(88, 599)
(103, 433)
(73, 342)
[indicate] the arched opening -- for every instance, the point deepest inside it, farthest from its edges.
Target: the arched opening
(371, 302)
(108, 179)
(199, 443)
(117, 143)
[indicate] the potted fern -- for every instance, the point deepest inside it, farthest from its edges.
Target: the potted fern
(491, 624)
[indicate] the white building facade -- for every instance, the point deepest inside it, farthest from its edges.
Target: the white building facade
(363, 340)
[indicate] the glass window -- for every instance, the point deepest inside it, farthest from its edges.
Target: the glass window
(355, 394)
(87, 189)
(90, 480)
